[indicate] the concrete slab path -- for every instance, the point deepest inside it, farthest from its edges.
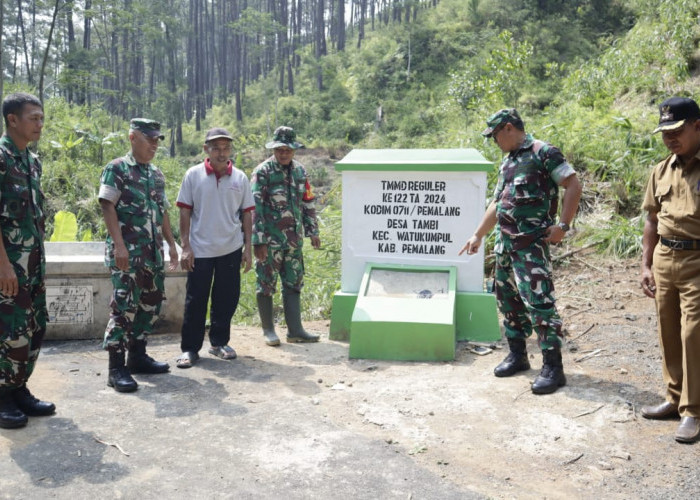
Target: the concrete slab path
(251, 428)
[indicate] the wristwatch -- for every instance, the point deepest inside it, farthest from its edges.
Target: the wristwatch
(564, 226)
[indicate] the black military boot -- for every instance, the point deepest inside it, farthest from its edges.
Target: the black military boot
(140, 362)
(516, 361)
(32, 406)
(119, 376)
(11, 417)
(267, 319)
(292, 315)
(552, 376)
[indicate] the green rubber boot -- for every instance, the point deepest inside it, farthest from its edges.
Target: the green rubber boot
(292, 315)
(267, 319)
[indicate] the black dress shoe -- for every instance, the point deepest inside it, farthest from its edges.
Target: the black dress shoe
(661, 411)
(11, 417)
(689, 430)
(32, 406)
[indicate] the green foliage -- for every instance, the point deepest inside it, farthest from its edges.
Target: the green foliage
(65, 227)
(75, 142)
(651, 59)
(322, 277)
(585, 74)
(491, 84)
(618, 237)
(615, 149)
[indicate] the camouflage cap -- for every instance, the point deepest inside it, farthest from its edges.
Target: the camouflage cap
(151, 128)
(503, 116)
(284, 137)
(218, 133)
(673, 113)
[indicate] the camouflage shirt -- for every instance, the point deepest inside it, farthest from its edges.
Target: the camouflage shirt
(284, 205)
(22, 212)
(527, 193)
(138, 193)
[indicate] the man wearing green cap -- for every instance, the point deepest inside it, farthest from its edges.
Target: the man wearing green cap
(284, 214)
(671, 263)
(134, 207)
(524, 208)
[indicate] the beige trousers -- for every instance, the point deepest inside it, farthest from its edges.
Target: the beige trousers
(677, 275)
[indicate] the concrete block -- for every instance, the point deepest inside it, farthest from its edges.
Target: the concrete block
(78, 292)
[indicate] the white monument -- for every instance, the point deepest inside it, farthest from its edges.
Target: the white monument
(413, 207)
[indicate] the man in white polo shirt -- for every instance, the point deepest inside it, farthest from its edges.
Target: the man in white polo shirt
(216, 206)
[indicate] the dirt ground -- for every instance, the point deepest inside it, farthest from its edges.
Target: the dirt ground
(304, 421)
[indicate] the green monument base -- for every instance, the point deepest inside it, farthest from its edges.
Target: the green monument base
(476, 316)
(405, 313)
(341, 315)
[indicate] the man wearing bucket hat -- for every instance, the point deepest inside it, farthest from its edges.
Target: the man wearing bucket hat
(215, 204)
(671, 263)
(284, 214)
(524, 207)
(135, 210)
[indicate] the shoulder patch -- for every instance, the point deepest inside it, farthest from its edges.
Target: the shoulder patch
(308, 193)
(537, 145)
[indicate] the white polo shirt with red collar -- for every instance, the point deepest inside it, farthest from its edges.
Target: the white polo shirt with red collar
(217, 204)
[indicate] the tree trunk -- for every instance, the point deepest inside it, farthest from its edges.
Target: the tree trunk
(20, 22)
(282, 46)
(361, 23)
(48, 48)
(71, 53)
(87, 25)
(14, 56)
(116, 81)
(340, 26)
(320, 39)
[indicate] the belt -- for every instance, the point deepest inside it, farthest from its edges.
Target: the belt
(681, 244)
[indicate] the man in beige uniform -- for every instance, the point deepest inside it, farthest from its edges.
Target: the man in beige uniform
(671, 263)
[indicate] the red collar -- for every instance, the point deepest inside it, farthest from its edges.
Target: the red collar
(210, 170)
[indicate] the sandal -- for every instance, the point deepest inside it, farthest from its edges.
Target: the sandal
(187, 359)
(223, 352)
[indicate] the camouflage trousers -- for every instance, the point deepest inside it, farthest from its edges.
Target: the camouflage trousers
(135, 304)
(525, 294)
(22, 330)
(288, 263)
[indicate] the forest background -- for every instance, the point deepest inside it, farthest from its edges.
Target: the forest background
(586, 75)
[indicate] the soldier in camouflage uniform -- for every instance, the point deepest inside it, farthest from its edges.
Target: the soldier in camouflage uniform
(22, 263)
(134, 207)
(524, 208)
(284, 214)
